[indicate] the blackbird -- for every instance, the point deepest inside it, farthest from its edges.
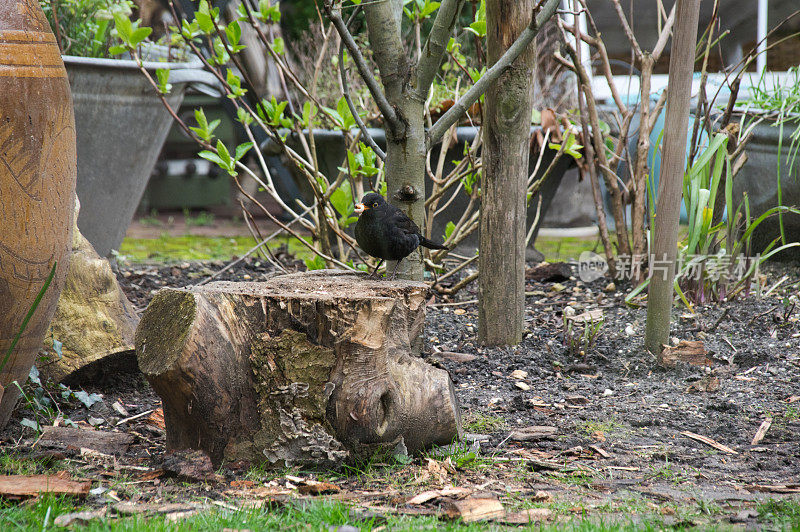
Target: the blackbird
(385, 232)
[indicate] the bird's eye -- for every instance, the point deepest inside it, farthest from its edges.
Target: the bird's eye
(375, 205)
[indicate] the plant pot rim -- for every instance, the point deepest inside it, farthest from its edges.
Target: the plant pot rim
(192, 61)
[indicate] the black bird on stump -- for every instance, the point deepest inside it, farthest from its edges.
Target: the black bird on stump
(385, 232)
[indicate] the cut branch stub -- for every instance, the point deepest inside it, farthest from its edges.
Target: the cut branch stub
(302, 369)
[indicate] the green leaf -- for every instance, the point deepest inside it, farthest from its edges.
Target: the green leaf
(223, 153)
(242, 149)
(429, 8)
(140, 34)
(448, 230)
(278, 45)
(214, 158)
(234, 32)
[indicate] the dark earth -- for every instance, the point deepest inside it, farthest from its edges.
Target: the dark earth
(610, 420)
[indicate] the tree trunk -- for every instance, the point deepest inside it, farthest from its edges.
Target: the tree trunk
(405, 149)
(302, 369)
(673, 166)
(505, 165)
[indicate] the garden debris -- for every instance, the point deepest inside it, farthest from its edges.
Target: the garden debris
(549, 273)
(133, 418)
(577, 400)
(522, 386)
(156, 419)
(173, 511)
(313, 487)
(709, 441)
(79, 518)
(518, 374)
(110, 443)
(531, 515)
(457, 357)
(474, 509)
(744, 515)
(690, 351)
(775, 488)
(762, 431)
(191, 465)
(26, 486)
(600, 451)
(709, 383)
(119, 409)
(430, 495)
(590, 316)
(533, 433)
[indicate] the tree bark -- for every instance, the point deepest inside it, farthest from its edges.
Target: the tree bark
(673, 166)
(302, 369)
(506, 135)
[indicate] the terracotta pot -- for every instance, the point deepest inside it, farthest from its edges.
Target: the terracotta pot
(37, 184)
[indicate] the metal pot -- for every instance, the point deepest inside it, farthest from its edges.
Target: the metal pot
(121, 126)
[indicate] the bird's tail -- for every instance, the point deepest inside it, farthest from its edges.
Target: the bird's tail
(430, 244)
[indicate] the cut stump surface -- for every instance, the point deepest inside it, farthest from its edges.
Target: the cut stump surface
(304, 368)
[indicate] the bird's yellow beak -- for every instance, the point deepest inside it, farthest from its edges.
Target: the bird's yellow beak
(359, 208)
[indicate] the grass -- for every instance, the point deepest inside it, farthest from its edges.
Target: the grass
(195, 248)
(481, 423)
(329, 515)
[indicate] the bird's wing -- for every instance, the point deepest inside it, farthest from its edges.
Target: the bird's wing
(400, 220)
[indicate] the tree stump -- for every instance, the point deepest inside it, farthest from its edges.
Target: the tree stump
(94, 321)
(306, 368)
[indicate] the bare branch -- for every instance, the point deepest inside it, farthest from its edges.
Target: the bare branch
(663, 37)
(627, 28)
(374, 87)
(346, 92)
(476, 91)
(436, 45)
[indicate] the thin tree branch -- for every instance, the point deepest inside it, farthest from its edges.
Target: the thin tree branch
(374, 87)
(476, 91)
(627, 29)
(663, 37)
(346, 92)
(436, 45)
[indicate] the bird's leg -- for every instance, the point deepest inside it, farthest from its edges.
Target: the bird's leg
(374, 274)
(394, 272)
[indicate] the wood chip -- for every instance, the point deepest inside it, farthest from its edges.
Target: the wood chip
(522, 386)
(524, 517)
(518, 374)
(689, 351)
(426, 496)
(577, 400)
(709, 383)
(112, 443)
(457, 357)
(709, 441)
(775, 488)
(130, 508)
(532, 433)
(26, 486)
(156, 419)
(474, 509)
(590, 316)
(312, 487)
(79, 518)
(762, 431)
(600, 451)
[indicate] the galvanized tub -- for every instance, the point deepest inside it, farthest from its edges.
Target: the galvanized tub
(121, 126)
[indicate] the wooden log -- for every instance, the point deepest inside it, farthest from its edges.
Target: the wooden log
(305, 368)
